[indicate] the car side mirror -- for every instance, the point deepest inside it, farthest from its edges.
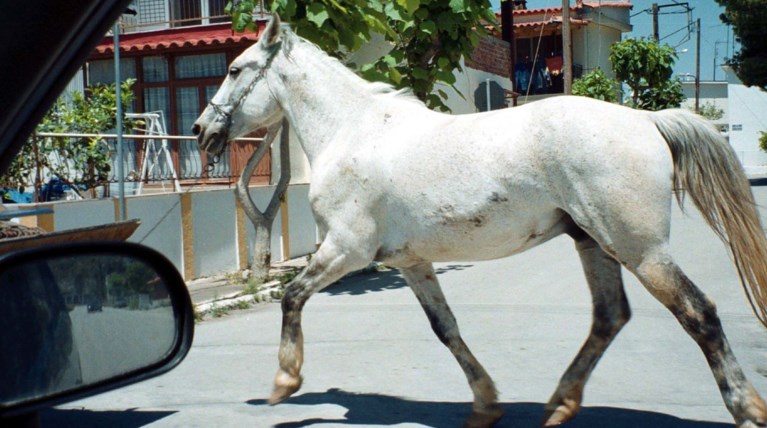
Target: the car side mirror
(81, 319)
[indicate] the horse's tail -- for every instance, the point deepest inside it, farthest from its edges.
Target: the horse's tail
(706, 167)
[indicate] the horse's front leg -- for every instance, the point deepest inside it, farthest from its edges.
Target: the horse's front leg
(328, 264)
(423, 281)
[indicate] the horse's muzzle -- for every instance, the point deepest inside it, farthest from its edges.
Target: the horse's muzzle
(210, 139)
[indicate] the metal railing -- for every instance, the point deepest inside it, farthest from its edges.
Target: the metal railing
(163, 14)
(169, 160)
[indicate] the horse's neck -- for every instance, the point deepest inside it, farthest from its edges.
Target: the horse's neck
(321, 99)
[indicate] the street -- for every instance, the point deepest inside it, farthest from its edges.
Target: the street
(372, 359)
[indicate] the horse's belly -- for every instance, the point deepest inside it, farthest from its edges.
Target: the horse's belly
(478, 238)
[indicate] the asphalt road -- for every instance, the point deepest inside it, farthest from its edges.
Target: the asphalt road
(372, 360)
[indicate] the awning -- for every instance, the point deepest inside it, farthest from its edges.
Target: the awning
(177, 38)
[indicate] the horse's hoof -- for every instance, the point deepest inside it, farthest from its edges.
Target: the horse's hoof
(750, 424)
(486, 418)
(753, 413)
(754, 421)
(284, 387)
(558, 415)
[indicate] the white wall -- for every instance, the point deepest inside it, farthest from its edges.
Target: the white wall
(714, 93)
(468, 83)
(744, 117)
(591, 47)
(160, 228)
(208, 242)
(215, 230)
(747, 107)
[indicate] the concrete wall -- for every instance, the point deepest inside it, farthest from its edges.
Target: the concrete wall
(202, 233)
(743, 119)
(591, 47)
(747, 108)
(710, 93)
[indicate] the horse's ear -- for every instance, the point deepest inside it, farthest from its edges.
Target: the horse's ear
(273, 33)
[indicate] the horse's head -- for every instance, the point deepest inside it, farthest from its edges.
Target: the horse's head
(245, 102)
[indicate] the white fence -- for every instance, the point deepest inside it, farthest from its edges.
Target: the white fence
(203, 233)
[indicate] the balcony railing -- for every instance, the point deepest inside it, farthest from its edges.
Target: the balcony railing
(154, 15)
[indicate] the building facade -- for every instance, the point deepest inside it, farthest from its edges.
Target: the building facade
(538, 50)
(743, 120)
(178, 52)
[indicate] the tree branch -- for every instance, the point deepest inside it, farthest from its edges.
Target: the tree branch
(282, 184)
(248, 205)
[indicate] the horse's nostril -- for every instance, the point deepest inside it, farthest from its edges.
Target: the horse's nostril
(196, 129)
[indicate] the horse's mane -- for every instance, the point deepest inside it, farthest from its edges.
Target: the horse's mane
(291, 39)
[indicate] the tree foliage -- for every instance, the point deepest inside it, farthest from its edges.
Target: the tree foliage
(428, 37)
(763, 141)
(748, 18)
(596, 84)
(646, 68)
(81, 162)
(710, 111)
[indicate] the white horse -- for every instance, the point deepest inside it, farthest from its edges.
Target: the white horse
(395, 182)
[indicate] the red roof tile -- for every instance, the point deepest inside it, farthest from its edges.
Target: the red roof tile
(198, 36)
(557, 20)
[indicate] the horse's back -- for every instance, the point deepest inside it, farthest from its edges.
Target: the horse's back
(489, 185)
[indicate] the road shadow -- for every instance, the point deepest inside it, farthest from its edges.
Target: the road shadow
(81, 418)
(376, 409)
(367, 282)
(443, 269)
(375, 281)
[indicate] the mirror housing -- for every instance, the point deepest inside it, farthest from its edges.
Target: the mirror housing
(81, 319)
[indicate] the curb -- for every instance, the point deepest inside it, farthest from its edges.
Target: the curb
(236, 297)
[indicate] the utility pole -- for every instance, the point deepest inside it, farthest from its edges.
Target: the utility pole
(567, 48)
(656, 11)
(697, 67)
(507, 31)
(122, 211)
(119, 116)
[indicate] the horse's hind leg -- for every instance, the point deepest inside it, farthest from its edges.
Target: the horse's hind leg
(610, 313)
(328, 265)
(697, 314)
(424, 284)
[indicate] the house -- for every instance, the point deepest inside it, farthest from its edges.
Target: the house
(179, 50)
(537, 43)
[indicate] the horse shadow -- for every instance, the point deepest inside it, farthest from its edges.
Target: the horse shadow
(377, 409)
(82, 418)
(376, 281)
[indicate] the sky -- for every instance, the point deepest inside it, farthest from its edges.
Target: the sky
(672, 26)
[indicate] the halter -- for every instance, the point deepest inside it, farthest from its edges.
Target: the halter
(226, 111)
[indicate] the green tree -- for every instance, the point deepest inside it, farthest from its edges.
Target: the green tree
(596, 84)
(763, 141)
(129, 277)
(748, 18)
(80, 162)
(710, 111)
(646, 68)
(428, 37)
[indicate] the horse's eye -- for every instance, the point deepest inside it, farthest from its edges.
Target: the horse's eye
(234, 71)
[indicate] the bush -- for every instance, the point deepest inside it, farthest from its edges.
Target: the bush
(596, 85)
